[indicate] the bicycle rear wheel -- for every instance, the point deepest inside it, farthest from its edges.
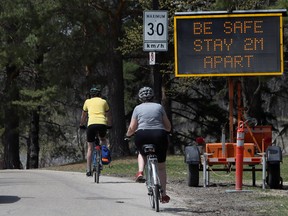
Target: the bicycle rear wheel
(97, 173)
(151, 197)
(97, 167)
(156, 195)
(155, 189)
(149, 184)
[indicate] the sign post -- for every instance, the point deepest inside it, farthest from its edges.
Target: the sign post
(155, 39)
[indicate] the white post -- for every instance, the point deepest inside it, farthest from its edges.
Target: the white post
(263, 169)
(204, 170)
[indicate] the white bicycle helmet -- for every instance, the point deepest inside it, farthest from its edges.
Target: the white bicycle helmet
(145, 94)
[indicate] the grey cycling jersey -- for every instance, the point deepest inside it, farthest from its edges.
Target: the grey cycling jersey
(149, 116)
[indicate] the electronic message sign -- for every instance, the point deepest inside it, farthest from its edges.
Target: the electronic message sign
(228, 44)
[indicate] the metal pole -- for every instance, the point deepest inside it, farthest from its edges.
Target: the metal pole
(263, 169)
(204, 170)
(231, 93)
(154, 68)
(223, 142)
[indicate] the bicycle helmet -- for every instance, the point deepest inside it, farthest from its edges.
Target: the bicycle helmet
(145, 94)
(95, 90)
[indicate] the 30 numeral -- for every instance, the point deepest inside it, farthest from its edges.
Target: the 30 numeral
(159, 29)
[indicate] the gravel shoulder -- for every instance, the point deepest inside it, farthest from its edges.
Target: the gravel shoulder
(223, 199)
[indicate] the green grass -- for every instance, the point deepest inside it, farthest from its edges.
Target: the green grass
(176, 170)
(278, 205)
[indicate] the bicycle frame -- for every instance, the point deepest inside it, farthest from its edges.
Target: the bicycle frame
(96, 160)
(152, 164)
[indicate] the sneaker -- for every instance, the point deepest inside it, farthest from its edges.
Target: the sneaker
(165, 199)
(139, 177)
(89, 173)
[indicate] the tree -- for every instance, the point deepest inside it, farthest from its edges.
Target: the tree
(11, 40)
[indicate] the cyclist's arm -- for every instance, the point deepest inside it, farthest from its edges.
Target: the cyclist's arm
(83, 118)
(132, 127)
(166, 123)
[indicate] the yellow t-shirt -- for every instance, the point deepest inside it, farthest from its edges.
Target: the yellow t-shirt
(96, 108)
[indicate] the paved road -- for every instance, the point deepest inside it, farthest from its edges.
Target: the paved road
(55, 193)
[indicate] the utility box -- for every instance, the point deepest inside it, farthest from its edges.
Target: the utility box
(192, 155)
(230, 150)
(274, 154)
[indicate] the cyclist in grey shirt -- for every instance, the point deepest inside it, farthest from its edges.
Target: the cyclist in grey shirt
(150, 124)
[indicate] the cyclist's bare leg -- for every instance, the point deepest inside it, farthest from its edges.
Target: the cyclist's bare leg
(89, 155)
(162, 176)
(141, 163)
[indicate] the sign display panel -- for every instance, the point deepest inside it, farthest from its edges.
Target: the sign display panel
(155, 31)
(228, 45)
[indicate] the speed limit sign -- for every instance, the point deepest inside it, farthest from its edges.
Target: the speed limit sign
(155, 30)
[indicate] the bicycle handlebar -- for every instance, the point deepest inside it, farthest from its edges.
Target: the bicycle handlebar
(84, 127)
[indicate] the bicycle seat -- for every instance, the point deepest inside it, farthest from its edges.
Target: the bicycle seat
(149, 148)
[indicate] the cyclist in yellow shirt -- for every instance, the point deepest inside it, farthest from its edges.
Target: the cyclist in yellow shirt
(96, 109)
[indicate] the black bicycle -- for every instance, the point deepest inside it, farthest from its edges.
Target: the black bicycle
(152, 177)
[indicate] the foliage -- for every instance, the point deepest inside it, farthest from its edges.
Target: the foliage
(58, 48)
(32, 99)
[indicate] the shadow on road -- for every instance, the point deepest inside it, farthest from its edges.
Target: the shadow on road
(8, 199)
(183, 210)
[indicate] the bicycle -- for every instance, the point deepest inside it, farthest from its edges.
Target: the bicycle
(97, 160)
(152, 179)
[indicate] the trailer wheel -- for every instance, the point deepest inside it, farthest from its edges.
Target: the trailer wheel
(273, 178)
(193, 175)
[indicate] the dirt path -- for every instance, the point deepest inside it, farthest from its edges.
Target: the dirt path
(221, 199)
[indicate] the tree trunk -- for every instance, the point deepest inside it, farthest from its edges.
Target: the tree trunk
(11, 122)
(11, 140)
(116, 88)
(33, 142)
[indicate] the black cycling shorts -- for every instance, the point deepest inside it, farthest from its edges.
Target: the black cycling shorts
(152, 136)
(96, 129)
